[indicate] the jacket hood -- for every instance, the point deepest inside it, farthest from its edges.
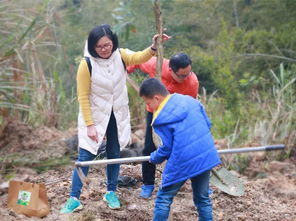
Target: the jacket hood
(172, 111)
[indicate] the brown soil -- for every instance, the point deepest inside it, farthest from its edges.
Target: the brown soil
(270, 186)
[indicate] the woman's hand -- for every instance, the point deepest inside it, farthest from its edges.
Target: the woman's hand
(164, 38)
(92, 133)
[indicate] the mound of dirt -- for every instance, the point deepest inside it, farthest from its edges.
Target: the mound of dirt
(18, 136)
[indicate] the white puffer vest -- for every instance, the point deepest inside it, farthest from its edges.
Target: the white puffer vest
(108, 91)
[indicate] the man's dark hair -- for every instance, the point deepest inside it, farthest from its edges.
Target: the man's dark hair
(179, 60)
(151, 87)
(96, 34)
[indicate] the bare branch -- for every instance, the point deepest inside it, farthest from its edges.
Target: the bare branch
(235, 13)
(133, 83)
(159, 28)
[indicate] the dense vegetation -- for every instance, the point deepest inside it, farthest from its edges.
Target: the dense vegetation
(244, 52)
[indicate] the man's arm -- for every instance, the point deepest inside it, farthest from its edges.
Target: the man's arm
(148, 67)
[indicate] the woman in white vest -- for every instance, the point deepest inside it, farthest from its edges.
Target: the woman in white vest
(103, 106)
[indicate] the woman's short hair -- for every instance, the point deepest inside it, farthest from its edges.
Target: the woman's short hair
(96, 34)
(151, 87)
(179, 60)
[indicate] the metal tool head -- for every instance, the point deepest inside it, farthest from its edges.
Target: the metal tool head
(227, 182)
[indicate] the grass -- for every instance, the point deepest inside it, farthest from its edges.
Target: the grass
(267, 118)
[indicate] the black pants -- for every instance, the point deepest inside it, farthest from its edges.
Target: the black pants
(148, 169)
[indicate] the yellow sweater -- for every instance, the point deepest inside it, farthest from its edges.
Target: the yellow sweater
(84, 79)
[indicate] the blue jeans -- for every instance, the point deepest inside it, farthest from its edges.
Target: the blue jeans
(201, 199)
(112, 150)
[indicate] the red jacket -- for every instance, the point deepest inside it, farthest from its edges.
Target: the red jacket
(188, 87)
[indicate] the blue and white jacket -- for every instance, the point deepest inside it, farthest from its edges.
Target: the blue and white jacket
(187, 144)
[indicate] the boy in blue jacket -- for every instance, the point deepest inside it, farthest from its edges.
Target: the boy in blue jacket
(187, 144)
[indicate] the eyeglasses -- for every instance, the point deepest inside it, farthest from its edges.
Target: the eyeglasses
(106, 46)
(181, 76)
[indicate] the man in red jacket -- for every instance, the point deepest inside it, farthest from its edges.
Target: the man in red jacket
(177, 77)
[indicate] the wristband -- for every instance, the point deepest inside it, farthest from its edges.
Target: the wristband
(153, 49)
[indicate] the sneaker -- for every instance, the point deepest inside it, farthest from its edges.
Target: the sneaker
(111, 198)
(147, 191)
(72, 204)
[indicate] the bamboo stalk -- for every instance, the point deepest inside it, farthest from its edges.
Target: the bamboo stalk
(159, 28)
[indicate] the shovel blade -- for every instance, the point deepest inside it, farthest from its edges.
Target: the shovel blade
(227, 182)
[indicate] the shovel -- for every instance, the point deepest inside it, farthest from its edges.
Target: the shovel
(221, 178)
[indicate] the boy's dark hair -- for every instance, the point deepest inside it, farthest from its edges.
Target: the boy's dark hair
(179, 60)
(151, 87)
(96, 34)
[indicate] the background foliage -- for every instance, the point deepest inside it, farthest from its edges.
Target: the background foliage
(243, 51)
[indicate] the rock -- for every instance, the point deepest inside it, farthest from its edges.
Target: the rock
(136, 139)
(51, 195)
(4, 187)
(134, 150)
(72, 143)
(27, 171)
(132, 206)
(221, 144)
(140, 133)
(258, 156)
(278, 166)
